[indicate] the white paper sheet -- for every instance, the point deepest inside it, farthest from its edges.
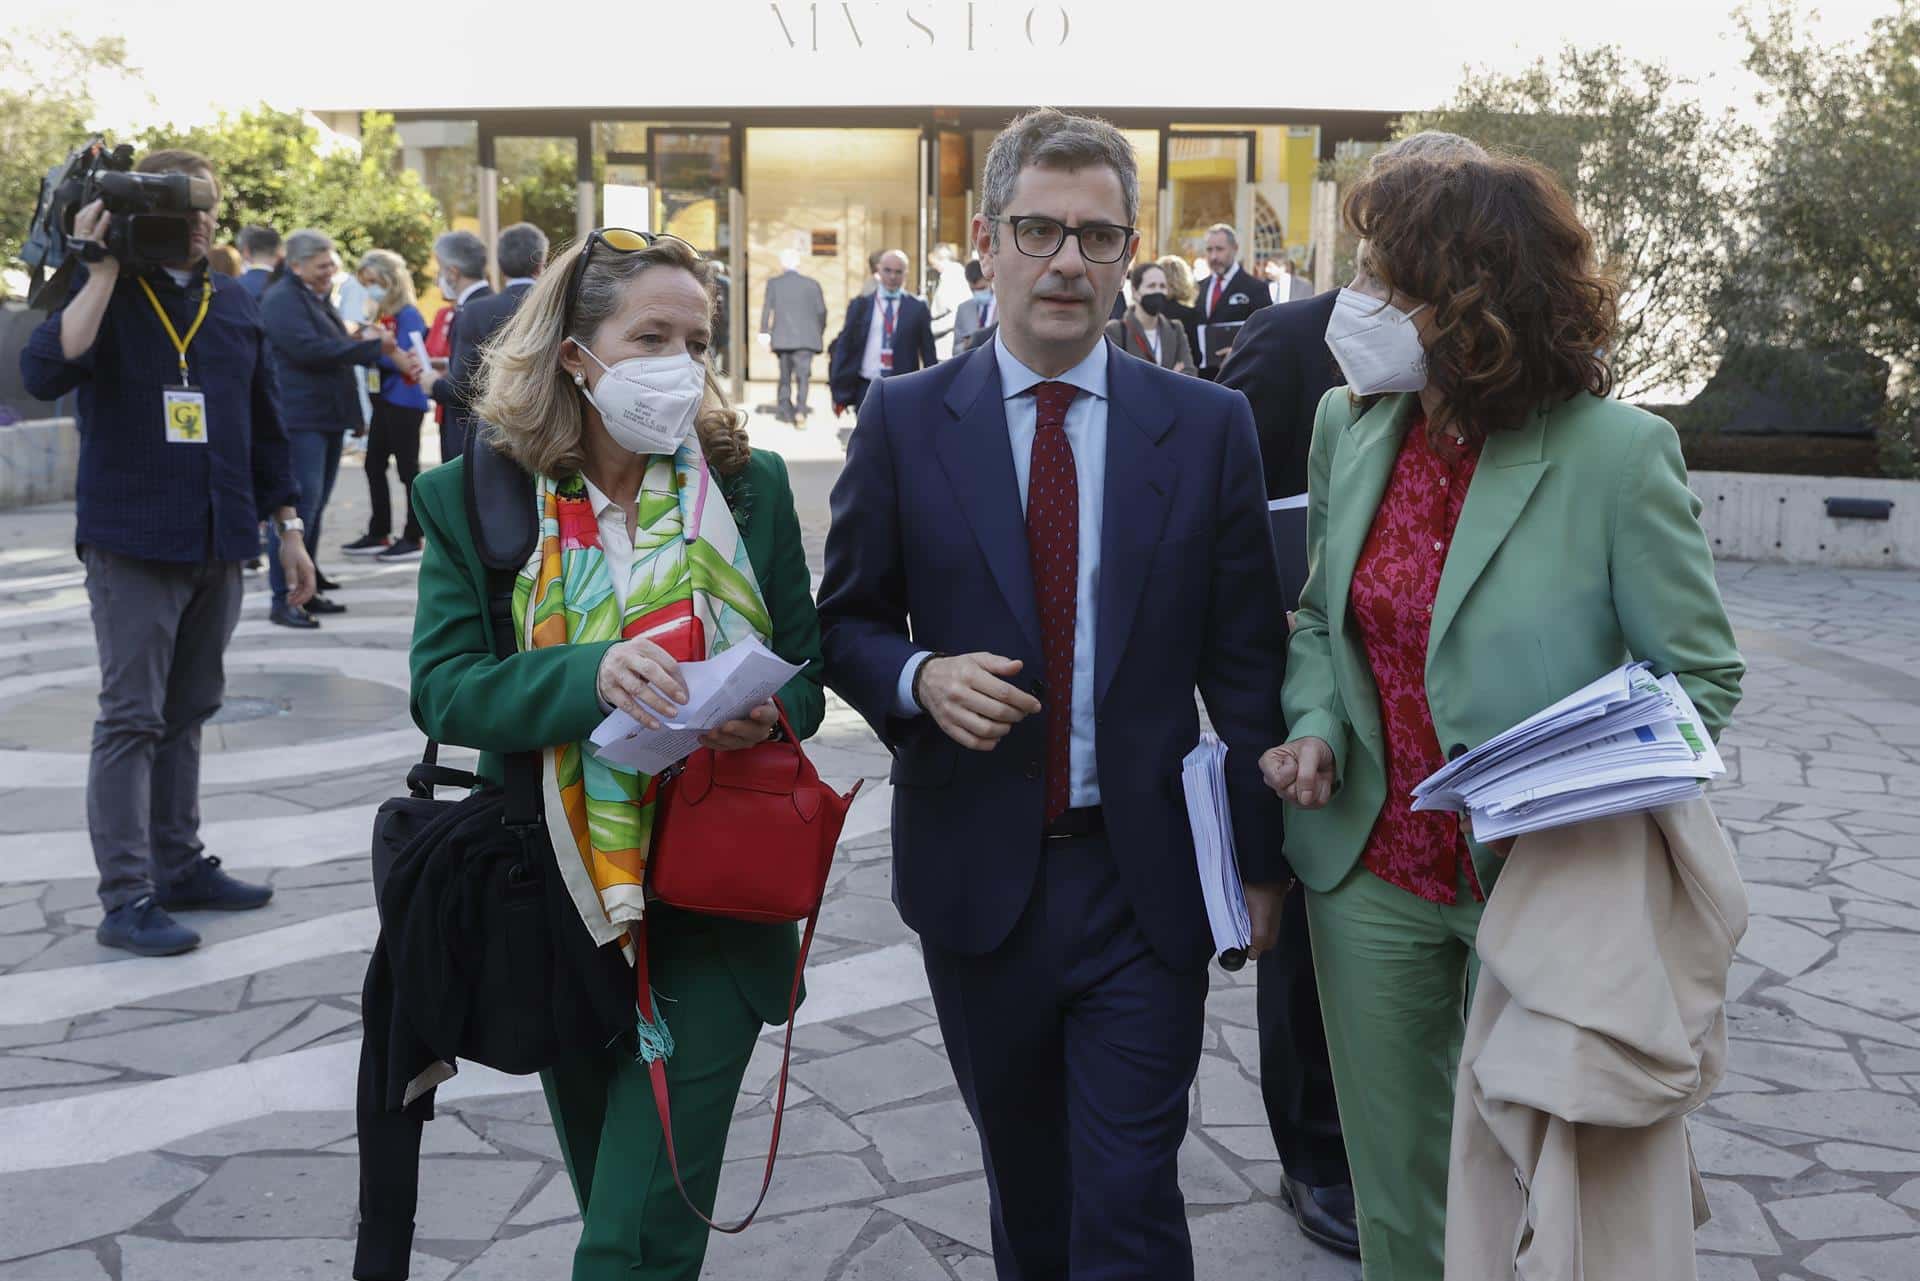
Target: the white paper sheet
(720, 689)
(1627, 742)
(1203, 777)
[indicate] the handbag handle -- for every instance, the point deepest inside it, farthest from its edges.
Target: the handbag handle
(657, 1071)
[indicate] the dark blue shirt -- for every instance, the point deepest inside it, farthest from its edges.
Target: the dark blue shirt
(139, 495)
(395, 389)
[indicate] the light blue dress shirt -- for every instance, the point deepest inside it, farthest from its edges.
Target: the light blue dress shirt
(1086, 429)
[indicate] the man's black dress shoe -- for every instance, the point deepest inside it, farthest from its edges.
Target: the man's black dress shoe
(1325, 1215)
(323, 583)
(321, 605)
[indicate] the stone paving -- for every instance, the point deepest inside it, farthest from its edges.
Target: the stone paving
(187, 1118)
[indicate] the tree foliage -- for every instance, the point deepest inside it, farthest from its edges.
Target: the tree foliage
(1653, 175)
(275, 168)
(45, 112)
(538, 185)
(1835, 208)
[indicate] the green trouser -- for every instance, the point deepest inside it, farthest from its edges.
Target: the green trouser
(637, 1228)
(1394, 973)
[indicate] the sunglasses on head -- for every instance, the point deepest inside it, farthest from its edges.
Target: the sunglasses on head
(620, 240)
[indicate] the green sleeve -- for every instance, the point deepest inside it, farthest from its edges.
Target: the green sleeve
(787, 586)
(1664, 592)
(1308, 695)
(462, 694)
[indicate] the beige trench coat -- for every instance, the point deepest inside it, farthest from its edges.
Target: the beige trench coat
(1598, 1023)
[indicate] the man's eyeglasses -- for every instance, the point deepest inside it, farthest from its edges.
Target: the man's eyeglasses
(1039, 237)
(620, 240)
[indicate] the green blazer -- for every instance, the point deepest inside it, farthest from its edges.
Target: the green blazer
(1579, 547)
(540, 698)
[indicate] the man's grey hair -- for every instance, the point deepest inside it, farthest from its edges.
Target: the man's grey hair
(1428, 144)
(305, 244)
(463, 251)
(1055, 140)
(257, 241)
(1226, 229)
(522, 251)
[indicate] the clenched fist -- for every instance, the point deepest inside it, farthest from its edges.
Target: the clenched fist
(1300, 772)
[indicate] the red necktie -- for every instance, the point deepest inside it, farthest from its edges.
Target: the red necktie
(1213, 300)
(1053, 551)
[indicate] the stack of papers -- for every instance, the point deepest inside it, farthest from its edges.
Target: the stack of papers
(1630, 741)
(1203, 776)
(721, 689)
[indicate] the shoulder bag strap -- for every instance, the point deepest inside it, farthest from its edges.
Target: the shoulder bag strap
(657, 1070)
(505, 527)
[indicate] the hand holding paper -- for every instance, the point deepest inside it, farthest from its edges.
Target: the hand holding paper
(727, 687)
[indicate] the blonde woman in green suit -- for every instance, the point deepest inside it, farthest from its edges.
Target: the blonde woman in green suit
(664, 538)
(1487, 533)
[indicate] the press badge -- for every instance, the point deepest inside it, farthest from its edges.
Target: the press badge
(186, 410)
(886, 360)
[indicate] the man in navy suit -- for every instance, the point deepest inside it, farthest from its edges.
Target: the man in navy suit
(1039, 550)
(887, 333)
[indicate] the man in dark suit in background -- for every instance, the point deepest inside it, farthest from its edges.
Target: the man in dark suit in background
(1228, 295)
(260, 248)
(887, 333)
(479, 313)
(1039, 550)
(1280, 362)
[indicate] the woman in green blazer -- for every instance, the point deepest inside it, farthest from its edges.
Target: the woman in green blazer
(1486, 534)
(663, 539)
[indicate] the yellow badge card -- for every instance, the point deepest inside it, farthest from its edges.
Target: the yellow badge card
(186, 416)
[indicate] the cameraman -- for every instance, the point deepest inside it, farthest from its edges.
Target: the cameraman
(181, 456)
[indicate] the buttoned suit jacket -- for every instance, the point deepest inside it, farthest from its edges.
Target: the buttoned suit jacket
(928, 551)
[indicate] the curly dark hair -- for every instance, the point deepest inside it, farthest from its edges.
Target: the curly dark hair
(1522, 316)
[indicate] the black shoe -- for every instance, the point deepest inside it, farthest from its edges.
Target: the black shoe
(1325, 1215)
(207, 888)
(293, 616)
(253, 566)
(144, 928)
(321, 605)
(367, 545)
(403, 550)
(323, 583)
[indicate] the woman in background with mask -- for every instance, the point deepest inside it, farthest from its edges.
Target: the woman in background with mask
(664, 539)
(1146, 330)
(399, 406)
(1487, 533)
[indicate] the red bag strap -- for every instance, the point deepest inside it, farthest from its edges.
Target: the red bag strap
(657, 1070)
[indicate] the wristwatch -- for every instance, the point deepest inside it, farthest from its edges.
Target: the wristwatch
(291, 525)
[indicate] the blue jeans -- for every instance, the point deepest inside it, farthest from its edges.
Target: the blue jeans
(316, 461)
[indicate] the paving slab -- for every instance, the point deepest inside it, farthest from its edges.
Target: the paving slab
(146, 1259)
(1865, 1260)
(876, 1075)
(51, 1209)
(171, 1050)
(463, 1200)
(896, 1256)
(275, 1196)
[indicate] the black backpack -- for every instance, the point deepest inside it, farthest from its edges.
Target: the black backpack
(490, 959)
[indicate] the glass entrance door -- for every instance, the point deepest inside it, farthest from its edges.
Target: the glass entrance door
(825, 200)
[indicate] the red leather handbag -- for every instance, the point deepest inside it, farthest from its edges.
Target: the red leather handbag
(747, 835)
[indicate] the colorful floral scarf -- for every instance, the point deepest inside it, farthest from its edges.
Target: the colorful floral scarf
(693, 594)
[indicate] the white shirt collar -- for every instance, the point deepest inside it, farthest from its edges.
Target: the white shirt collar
(517, 280)
(1090, 375)
(601, 503)
(468, 292)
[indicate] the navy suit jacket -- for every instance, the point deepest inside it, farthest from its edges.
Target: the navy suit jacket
(928, 550)
(912, 345)
(1280, 362)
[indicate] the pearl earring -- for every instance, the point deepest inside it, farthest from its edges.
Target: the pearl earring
(579, 380)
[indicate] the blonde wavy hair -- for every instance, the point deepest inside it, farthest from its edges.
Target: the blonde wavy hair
(534, 413)
(390, 269)
(1179, 278)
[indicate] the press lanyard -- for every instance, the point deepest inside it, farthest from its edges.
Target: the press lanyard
(180, 344)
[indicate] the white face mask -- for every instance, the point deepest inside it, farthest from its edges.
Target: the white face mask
(1376, 344)
(648, 402)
